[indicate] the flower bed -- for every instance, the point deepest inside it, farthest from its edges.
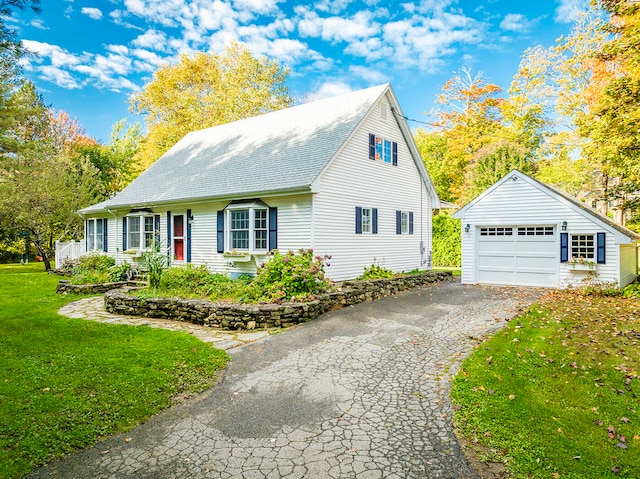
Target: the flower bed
(251, 316)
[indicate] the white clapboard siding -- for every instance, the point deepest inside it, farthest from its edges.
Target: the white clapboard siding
(628, 263)
(523, 202)
(351, 180)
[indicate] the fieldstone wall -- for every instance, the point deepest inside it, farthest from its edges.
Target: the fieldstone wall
(251, 316)
(65, 287)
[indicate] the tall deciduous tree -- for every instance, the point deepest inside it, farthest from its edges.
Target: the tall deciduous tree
(204, 90)
(478, 137)
(611, 124)
(46, 180)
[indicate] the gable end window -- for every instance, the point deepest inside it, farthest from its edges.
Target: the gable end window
(383, 150)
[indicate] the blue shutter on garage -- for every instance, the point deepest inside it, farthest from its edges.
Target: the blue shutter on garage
(374, 221)
(156, 231)
(372, 146)
(104, 235)
(564, 247)
(394, 155)
(398, 222)
(124, 233)
(273, 228)
(410, 222)
(220, 232)
(601, 247)
(189, 236)
(358, 220)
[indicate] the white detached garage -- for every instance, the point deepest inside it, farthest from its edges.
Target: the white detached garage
(523, 232)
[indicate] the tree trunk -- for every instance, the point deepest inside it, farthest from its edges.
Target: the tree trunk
(41, 251)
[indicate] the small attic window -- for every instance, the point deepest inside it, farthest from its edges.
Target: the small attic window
(384, 108)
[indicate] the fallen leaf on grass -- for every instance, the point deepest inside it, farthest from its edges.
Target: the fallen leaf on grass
(625, 420)
(622, 445)
(512, 396)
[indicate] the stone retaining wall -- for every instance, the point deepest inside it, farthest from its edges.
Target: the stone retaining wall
(251, 316)
(65, 287)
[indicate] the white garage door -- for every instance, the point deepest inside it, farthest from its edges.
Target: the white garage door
(518, 255)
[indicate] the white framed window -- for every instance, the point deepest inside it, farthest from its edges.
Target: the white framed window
(366, 220)
(140, 232)
(248, 227)
(583, 246)
(260, 229)
(381, 149)
(404, 222)
(95, 234)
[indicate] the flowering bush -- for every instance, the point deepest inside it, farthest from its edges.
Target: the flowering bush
(290, 277)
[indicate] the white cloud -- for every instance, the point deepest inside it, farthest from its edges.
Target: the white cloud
(515, 22)
(39, 24)
(336, 29)
(56, 55)
(368, 74)
(91, 12)
(58, 76)
(151, 39)
(568, 10)
(327, 90)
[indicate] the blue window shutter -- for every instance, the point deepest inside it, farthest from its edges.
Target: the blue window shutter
(220, 234)
(602, 247)
(156, 231)
(105, 236)
(169, 248)
(564, 247)
(410, 222)
(398, 222)
(374, 221)
(394, 154)
(358, 220)
(188, 236)
(124, 233)
(273, 228)
(372, 146)
(86, 237)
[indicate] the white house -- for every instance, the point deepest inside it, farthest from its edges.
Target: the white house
(523, 232)
(341, 175)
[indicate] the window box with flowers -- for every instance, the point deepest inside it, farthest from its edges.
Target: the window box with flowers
(581, 264)
(237, 256)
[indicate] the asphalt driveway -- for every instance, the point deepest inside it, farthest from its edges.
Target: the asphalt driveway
(361, 392)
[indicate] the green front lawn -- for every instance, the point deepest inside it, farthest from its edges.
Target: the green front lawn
(556, 393)
(64, 383)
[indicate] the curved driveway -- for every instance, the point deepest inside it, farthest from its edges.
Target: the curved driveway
(360, 392)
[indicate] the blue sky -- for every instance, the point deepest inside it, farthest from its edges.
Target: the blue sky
(92, 54)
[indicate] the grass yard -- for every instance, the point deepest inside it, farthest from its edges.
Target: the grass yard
(555, 394)
(65, 383)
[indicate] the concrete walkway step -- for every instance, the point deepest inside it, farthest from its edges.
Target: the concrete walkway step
(93, 309)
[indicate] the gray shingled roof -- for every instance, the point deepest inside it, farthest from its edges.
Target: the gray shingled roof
(280, 151)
